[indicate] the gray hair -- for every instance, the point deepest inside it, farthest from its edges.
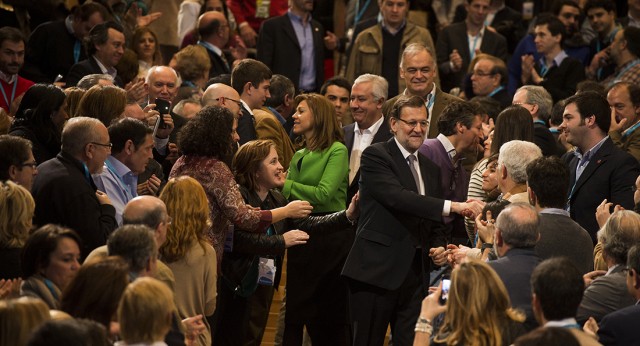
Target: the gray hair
(619, 234)
(153, 70)
(415, 48)
(537, 95)
(78, 132)
(90, 80)
(136, 244)
(518, 224)
(516, 156)
(379, 85)
(178, 108)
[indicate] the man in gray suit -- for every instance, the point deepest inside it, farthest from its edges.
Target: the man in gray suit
(547, 185)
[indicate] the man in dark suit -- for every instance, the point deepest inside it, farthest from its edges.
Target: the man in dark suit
(251, 79)
(105, 48)
(599, 170)
(621, 327)
(400, 217)
(418, 69)
(516, 234)
(458, 44)
(213, 29)
(538, 102)
(65, 39)
(292, 45)
(548, 183)
(368, 94)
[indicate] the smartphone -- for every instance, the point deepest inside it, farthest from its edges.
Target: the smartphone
(163, 107)
(446, 283)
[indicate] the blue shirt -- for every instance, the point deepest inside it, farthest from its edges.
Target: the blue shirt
(304, 34)
(118, 182)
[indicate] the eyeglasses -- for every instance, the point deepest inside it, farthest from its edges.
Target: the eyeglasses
(168, 221)
(30, 164)
(412, 124)
(482, 74)
(108, 145)
(222, 98)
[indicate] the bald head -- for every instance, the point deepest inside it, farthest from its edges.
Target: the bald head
(222, 95)
(162, 82)
(214, 28)
(144, 210)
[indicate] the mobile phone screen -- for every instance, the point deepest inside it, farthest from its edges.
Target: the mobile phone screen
(446, 283)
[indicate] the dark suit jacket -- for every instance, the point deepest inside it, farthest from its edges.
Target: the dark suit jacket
(453, 37)
(382, 135)
(605, 295)
(543, 138)
(507, 22)
(441, 101)
(49, 53)
(514, 269)
(394, 219)
(84, 68)
(620, 327)
(609, 174)
(64, 196)
(278, 48)
(247, 127)
(562, 237)
(218, 66)
(561, 81)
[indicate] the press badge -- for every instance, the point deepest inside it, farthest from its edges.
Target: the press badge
(267, 271)
(228, 241)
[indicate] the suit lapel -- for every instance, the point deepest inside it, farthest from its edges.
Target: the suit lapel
(404, 173)
(348, 137)
(599, 158)
(288, 29)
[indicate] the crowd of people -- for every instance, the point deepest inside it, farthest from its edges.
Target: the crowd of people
(445, 172)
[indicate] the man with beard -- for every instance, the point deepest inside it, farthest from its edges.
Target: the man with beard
(11, 59)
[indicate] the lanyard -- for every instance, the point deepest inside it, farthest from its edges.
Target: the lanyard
(360, 12)
(496, 90)
(543, 68)
(630, 130)
(13, 93)
(541, 122)
(76, 51)
(432, 99)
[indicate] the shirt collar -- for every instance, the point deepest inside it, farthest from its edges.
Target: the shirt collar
(589, 154)
(554, 211)
(562, 323)
(8, 78)
(211, 47)
(448, 146)
(117, 167)
(246, 106)
(387, 29)
(68, 22)
(372, 129)
(296, 17)
(557, 60)
(106, 70)
(404, 151)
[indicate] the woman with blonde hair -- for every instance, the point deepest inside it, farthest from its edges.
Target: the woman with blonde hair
(16, 213)
(145, 312)
(477, 311)
(103, 102)
(19, 318)
(192, 64)
(187, 252)
(318, 173)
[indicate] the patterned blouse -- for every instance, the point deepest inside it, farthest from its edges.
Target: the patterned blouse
(226, 206)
